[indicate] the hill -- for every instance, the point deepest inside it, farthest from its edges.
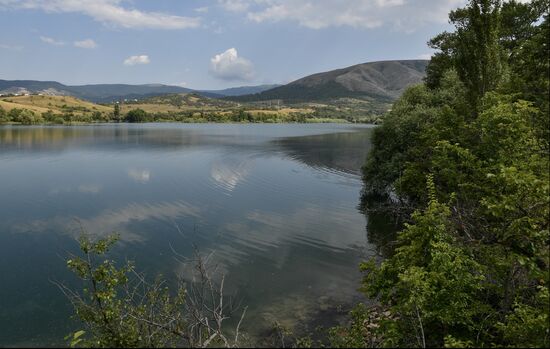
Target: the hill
(193, 104)
(101, 93)
(382, 81)
(377, 83)
(181, 102)
(55, 104)
(21, 87)
(109, 93)
(240, 91)
(361, 92)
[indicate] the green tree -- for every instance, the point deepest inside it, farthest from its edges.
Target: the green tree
(473, 49)
(97, 116)
(121, 308)
(136, 115)
(3, 116)
(431, 284)
(116, 112)
(23, 116)
(471, 267)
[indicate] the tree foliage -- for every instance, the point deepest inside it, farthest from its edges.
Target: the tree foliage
(466, 155)
(136, 115)
(3, 116)
(120, 308)
(116, 112)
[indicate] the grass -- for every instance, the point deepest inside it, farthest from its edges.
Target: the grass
(56, 104)
(190, 108)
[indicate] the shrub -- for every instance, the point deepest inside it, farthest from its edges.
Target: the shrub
(23, 116)
(136, 115)
(3, 116)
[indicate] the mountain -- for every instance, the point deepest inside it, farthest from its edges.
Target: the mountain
(382, 81)
(51, 88)
(377, 82)
(180, 102)
(108, 93)
(240, 91)
(102, 93)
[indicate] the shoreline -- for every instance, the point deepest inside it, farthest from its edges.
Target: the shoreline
(77, 123)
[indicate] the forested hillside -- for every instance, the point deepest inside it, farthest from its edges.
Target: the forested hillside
(463, 161)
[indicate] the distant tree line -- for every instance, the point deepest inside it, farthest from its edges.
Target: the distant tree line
(139, 115)
(29, 117)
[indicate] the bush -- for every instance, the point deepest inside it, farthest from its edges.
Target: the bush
(469, 156)
(97, 116)
(118, 305)
(50, 117)
(136, 115)
(3, 116)
(13, 115)
(23, 116)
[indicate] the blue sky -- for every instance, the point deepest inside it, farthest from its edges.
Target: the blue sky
(208, 44)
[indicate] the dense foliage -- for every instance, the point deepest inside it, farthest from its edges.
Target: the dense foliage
(466, 159)
(28, 117)
(137, 115)
(239, 115)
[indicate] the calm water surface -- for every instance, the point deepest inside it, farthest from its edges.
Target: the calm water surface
(276, 203)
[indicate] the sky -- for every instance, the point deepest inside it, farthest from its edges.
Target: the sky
(209, 44)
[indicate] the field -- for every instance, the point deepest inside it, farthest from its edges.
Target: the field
(179, 108)
(194, 107)
(55, 104)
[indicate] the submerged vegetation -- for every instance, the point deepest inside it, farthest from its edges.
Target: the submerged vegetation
(464, 161)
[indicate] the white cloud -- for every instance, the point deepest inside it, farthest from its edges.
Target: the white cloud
(88, 43)
(109, 12)
(140, 176)
(133, 60)
(202, 9)
(403, 15)
(113, 219)
(229, 66)
(235, 5)
(228, 172)
(51, 41)
(11, 47)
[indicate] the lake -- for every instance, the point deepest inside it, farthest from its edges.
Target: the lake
(276, 204)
